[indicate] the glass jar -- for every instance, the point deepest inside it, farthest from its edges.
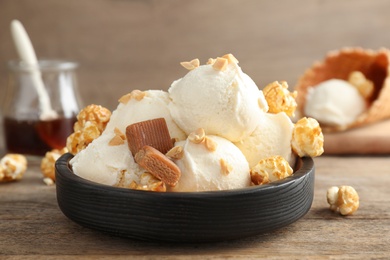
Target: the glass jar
(26, 131)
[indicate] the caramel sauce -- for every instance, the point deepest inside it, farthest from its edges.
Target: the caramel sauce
(36, 137)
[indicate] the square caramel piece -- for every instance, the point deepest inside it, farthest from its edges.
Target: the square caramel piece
(152, 132)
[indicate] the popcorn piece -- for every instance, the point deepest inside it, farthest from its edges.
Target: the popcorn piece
(95, 114)
(343, 199)
(12, 167)
(190, 65)
(91, 122)
(362, 84)
(48, 163)
(136, 94)
(158, 165)
(149, 183)
(279, 99)
(270, 169)
(220, 64)
(307, 138)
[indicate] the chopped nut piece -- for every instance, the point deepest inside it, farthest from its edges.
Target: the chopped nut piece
(197, 136)
(91, 122)
(48, 163)
(149, 183)
(230, 58)
(343, 199)
(136, 94)
(226, 168)
(362, 84)
(307, 138)
(210, 61)
(12, 167)
(220, 64)
(190, 65)
(279, 99)
(175, 153)
(210, 144)
(270, 169)
(118, 139)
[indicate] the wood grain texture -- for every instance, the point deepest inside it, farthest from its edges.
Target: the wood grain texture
(126, 45)
(371, 139)
(32, 225)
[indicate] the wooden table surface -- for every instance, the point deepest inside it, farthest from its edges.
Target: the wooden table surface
(32, 225)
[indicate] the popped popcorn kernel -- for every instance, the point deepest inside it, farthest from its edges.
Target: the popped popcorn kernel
(307, 138)
(48, 163)
(279, 98)
(95, 114)
(361, 83)
(270, 169)
(12, 167)
(91, 122)
(343, 199)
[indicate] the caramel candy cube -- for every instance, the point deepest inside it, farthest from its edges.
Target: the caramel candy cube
(158, 165)
(151, 132)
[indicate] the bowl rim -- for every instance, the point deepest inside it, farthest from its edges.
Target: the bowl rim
(303, 166)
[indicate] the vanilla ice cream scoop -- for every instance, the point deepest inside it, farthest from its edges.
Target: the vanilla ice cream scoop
(334, 102)
(140, 106)
(272, 136)
(211, 163)
(223, 102)
(104, 163)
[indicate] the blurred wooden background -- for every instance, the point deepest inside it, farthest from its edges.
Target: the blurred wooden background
(137, 44)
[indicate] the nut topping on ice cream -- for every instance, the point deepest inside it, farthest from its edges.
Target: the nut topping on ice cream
(136, 94)
(190, 65)
(220, 64)
(175, 153)
(222, 102)
(118, 139)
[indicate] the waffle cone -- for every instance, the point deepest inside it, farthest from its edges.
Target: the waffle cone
(375, 65)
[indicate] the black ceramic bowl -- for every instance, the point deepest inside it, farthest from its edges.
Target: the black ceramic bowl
(185, 216)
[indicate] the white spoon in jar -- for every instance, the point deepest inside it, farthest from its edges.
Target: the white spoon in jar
(27, 55)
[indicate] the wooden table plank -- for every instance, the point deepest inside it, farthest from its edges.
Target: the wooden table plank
(31, 224)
